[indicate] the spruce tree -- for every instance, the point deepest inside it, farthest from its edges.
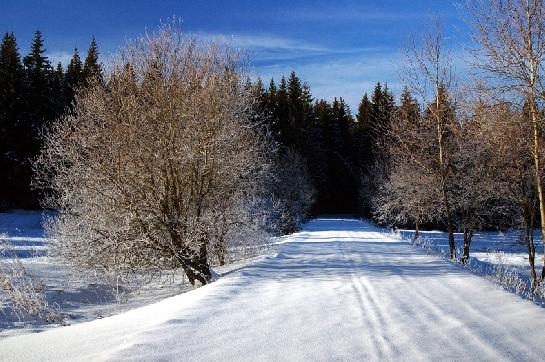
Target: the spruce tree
(39, 93)
(12, 112)
(59, 92)
(92, 68)
(74, 77)
(282, 111)
(364, 111)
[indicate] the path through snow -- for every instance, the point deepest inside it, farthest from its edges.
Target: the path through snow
(339, 290)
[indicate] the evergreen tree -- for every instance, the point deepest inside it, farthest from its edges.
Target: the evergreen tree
(364, 111)
(281, 115)
(92, 68)
(39, 93)
(295, 101)
(12, 112)
(74, 77)
(59, 91)
(409, 109)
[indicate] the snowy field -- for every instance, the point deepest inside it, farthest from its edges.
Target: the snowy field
(79, 299)
(339, 290)
(491, 253)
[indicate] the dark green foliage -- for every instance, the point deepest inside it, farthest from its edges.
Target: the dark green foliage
(91, 68)
(32, 95)
(331, 142)
(74, 77)
(13, 106)
(374, 119)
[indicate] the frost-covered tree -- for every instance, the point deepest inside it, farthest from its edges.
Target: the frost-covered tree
(429, 73)
(147, 169)
(510, 48)
(293, 191)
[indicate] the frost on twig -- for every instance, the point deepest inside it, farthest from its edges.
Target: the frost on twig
(20, 292)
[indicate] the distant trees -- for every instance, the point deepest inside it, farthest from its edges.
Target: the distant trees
(32, 94)
(162, 167)
(12, 119)
(323, 134)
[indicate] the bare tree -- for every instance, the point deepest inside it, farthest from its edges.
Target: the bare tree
(429, 74)
(510, 37)
(151, 172)
(410, 194)
(20, 291)
(480, 197)
(292, 190)
(505, 132)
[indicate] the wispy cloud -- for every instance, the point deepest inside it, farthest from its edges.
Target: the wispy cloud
(262, 41)
(342, 15)
(266, 48)
(346, 77)
(59, 56)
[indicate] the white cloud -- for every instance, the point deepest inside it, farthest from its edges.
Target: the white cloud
(343, 15)
(347, 77)
(262, 41)
(59, 56)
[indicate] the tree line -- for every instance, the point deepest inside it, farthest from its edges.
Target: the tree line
(341, 151)
(33, 93)
(337, 149)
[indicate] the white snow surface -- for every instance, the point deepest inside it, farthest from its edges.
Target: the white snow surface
(339, 290)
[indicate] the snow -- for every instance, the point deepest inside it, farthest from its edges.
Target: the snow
(80, 299)
(489, 248)
(340, 289)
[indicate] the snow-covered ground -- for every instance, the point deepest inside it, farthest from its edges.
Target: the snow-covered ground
(339, 290)
(79, 299)
(489, 249)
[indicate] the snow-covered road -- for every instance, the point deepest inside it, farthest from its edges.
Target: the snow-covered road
(339, 290)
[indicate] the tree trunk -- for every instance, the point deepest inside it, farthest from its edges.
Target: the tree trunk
(196, 267)
(221, 252)
(416, 227)
(468, 236)
(530, 245)
(537, 164)
(450, 228)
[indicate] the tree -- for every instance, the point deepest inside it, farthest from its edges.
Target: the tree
(12, 113)
(293, 191)
(377, 118)
(144, 172)
(429, 73)
(511, 45)
(92, 68)
(74, 77)
(411, 193)
(479, 192)
(507, 134)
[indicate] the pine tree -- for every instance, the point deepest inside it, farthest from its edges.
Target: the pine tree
(39, 74)
(59, 92)
(409, 109)
(74, 77)
(39, 94)
(92, 68)
(12, 108)
(364, 111)
(281, 115)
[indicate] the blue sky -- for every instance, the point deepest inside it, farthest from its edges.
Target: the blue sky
(341, 48)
